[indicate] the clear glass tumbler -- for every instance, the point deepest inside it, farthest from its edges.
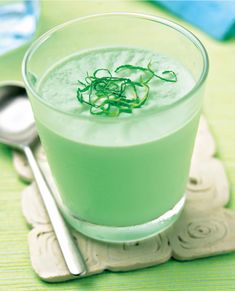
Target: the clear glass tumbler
(107, 190)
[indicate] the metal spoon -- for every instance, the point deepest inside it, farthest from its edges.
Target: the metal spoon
(17, 129)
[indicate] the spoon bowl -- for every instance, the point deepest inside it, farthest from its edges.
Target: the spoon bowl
(17, 128)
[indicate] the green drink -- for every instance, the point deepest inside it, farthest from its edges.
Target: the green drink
(123, 177)
(118, 181)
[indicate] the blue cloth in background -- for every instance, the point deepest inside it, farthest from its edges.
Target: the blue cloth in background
(215, 17)
(18, 21)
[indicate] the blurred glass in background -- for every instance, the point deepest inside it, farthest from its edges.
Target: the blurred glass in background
(18, 22)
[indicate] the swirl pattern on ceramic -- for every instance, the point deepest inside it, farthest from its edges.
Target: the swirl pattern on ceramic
(33, 208)
(201, 234)
(208, 185)
(45, 245)
(143, 253)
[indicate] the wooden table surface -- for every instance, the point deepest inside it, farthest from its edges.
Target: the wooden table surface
(216, 273)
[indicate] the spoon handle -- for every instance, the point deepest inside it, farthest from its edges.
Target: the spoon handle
(70, 251)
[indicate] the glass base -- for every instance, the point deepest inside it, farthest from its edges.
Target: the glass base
(127, 233)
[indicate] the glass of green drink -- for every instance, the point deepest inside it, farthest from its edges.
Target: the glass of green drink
(117, 99)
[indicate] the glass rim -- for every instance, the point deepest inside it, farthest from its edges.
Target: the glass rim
(185, 32)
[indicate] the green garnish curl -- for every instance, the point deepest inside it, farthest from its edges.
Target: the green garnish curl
(110, 95)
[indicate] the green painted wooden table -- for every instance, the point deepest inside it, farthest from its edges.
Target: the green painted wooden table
(217, 273)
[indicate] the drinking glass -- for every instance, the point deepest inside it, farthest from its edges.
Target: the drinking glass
(18, 23)
(108, 190)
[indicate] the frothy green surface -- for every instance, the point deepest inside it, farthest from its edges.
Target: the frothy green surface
(60, 83)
